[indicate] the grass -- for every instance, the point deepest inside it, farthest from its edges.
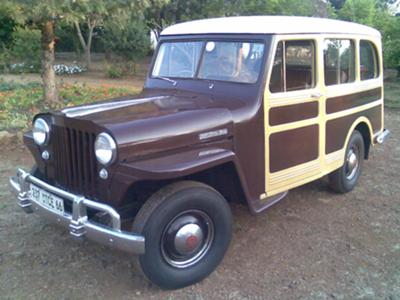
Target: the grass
(392, 92)
(20, 102)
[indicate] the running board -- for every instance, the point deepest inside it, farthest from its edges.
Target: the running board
(260, 205)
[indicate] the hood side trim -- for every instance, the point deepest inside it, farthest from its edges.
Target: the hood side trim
(95, 108)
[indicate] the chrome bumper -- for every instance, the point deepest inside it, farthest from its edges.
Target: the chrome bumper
(78, 223)
(381, 137)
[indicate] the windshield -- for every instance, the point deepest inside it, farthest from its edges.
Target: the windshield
(212, 60)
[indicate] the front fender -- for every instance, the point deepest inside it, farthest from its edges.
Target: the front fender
(178, 164)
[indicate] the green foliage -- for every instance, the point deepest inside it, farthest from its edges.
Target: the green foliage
(18, 102)
(392, 45)
(26, 49)
(4, 59)
(7, 25)
(114, 71)
(128, 39)
(359, 11)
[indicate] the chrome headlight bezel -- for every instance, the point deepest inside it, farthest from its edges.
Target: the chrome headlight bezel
(105, 149)
(41, 132)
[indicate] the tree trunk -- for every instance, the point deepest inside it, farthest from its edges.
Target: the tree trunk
(50, 93)
(91, 26)
(86, 44)
(88, 58)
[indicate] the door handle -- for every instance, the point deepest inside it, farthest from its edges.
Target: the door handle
(316, 95)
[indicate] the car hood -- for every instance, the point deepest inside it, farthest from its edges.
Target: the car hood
(157, 121)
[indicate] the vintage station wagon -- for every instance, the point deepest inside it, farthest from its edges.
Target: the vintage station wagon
(233, 109)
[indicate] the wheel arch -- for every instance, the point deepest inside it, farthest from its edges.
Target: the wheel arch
(224, 178)
(363, 125)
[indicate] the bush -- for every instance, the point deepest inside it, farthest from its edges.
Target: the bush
(114, 71)
(62, 69)
(7, 25)
(25, 51)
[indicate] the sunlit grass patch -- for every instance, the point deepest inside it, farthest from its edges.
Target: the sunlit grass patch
(20, 102)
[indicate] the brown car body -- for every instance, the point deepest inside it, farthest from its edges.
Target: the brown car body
(159, 140)
(245, 142)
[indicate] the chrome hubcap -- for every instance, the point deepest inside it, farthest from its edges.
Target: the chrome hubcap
(187, 238)
(351, 164)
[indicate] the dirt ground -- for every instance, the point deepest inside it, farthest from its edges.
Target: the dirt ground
(312, 245)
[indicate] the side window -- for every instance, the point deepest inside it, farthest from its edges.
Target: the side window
(368, 61)
(339, 61)
(293, 68)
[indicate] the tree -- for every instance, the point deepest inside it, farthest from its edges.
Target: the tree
(43, 15)
(392, 45)
(90, 14)
(360, 11)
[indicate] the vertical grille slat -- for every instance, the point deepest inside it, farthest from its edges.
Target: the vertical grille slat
(86, 162)
(74, 161)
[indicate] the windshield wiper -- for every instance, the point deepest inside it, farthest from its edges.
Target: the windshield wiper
(168, 79)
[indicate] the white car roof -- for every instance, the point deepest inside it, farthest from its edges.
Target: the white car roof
(268, 25)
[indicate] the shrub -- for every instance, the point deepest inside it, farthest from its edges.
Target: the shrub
(114, 71)
(62, 69)
(25, 51)
(7, 25)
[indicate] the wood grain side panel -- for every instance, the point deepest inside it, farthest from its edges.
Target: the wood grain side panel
(337, 129)
(293, 147)
(340, 103)
(293, 113)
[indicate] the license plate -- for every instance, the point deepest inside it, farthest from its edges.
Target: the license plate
(46, 199)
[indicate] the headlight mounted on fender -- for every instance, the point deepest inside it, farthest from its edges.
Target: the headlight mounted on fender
(105, 149)
(41, 132)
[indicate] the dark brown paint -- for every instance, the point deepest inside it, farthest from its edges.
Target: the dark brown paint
(336, 104)
(293, 147)
(337, 129)
(292, 113)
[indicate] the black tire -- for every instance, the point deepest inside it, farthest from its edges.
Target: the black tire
(344, 179)
(159, 217)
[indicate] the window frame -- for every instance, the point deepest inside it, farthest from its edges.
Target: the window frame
(210, 38)
(356, 69)
(314, 64)
(376, 62)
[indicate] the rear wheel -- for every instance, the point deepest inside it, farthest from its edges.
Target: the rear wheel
(187, 227)
(345, 178)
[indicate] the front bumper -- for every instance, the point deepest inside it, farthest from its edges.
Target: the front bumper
(78, 222)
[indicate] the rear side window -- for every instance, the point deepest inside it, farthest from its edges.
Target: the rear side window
(339, 61)
(293, 68)
(368, 61)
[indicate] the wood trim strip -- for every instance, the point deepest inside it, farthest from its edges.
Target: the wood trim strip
(344, 102)
(293, 113)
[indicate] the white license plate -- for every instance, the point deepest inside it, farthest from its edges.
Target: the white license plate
(46, 199)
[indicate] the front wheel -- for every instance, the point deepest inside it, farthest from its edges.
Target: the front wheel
(187, 227)
(344, 179)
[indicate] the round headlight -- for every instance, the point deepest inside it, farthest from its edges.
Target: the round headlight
(41, 132)
(105, 148)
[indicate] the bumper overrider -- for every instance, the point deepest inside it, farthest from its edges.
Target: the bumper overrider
(78, 223)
